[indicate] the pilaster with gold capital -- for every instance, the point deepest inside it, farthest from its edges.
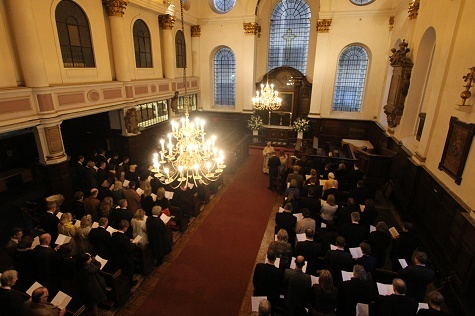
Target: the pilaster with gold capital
(115, 7)
(252, 28)
(195, 31)
(323, 25)
(166, 21)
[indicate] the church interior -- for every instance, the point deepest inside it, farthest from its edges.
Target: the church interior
(383, 84)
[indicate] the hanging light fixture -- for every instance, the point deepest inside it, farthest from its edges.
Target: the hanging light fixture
(188, 156)
(267, 99)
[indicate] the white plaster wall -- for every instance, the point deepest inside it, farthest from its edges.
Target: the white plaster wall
(9, 74)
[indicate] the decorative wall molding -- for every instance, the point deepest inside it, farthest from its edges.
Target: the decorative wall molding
(323, 25)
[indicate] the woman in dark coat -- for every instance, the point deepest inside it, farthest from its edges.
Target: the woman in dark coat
(91, 285)
(379, 241)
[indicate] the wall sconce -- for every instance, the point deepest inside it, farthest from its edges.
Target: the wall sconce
(413, 9)
(468, 78)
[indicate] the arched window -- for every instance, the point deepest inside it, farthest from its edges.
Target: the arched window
(74, 35)
(143, 49)
(180, 50)
(350, 79)
(289, 34)
(224, 77)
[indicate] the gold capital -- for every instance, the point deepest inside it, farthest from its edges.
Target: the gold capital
(166, 21)
(195, 31)
(413, 9)
(251, 28)
(115, 7)
(323, 25)
(391, 23)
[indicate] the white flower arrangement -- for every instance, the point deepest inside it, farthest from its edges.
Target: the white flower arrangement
(255, 123)
(301, 125)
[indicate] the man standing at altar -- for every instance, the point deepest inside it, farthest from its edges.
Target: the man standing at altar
(267, 152)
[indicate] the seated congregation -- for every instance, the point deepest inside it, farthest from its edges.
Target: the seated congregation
(120, 223)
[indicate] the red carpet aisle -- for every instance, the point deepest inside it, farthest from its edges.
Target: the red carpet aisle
(210, 275)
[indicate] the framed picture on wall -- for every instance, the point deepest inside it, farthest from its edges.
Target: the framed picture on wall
(287, 102)
(457, 145)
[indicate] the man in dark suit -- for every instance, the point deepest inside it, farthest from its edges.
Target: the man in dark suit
(344, 214)
(354, 176)
(403, 246)
(354, 233)
(92, 204)
(418, 276)
(268, 279)
(436, 300)
(339, 260)
(15, 237)
(49, 221)
(354, 291)
(273, 164)
(78, 174)
(123, 251)
(100, 239)
(297, 286)
(101, 173)
(123, 213)
(397, 304)
(286, 220)
(310, 250)
(39, 305)
(360, 193)
(312, 202)
(45, 262)
(158, 236)
(11, 302)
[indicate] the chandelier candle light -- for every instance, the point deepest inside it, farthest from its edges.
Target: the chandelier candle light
(192, 159)
(267, 99)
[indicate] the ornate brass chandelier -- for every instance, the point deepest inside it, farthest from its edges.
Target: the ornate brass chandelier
(188, 157)
(267, 99)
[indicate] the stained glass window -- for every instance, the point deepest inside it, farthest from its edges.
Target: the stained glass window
(224, 77)
(289, 35)
(350, 79)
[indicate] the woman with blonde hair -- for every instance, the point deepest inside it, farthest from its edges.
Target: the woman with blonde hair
(106, 206)
(66, 226)
(162, 201)
(282, 248)
(329, 208)
(117, 192)
(82, 235)
(138, 226)
(324, 295)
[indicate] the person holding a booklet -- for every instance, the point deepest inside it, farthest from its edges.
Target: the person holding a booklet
(11, 302)
(39, 305)
(158, 236)
(397, 304)
(354, 291)
(324, 295)
(139, 227)
(436, 300)
(91, 285)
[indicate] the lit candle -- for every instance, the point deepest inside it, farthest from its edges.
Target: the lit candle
(162, 142)
(202, 123)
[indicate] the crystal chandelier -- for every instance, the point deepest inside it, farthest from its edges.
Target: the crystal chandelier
(188, 157)
(267, 99)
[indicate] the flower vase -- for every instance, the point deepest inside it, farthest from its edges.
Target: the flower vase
(299, 135)
(255, 133)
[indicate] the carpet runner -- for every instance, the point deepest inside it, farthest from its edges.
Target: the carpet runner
(210, 275)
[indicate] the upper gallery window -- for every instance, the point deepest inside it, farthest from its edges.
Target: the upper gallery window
(350, 79)
(74, 35)
(143, 49)
(289, 35)
(180, 50)
(224, 77)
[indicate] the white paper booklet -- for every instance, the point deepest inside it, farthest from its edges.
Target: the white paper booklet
(323, 225)
(78, 223)
(169, 195)
(403, 263)
(61, 300)
(36, 242)
(59, 214)
(165, 218)
(95, 225)
(292, 265)
(393, 231)
(356, 252)
(307, 176)
(111, 230)
(385, 289)
(137, 239)
(33, 287)
(299, 216)
(423, 306)
(101, 260)
(332, 247)
(281, 209)
(362, 206)
(372, 228)
(125, 184)
(154, 197)
(322, 182)
(300, 237)
(314, 279)
(346, 276)
(140, 191)
(256, 300)
(362, 309)
(62, 239)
